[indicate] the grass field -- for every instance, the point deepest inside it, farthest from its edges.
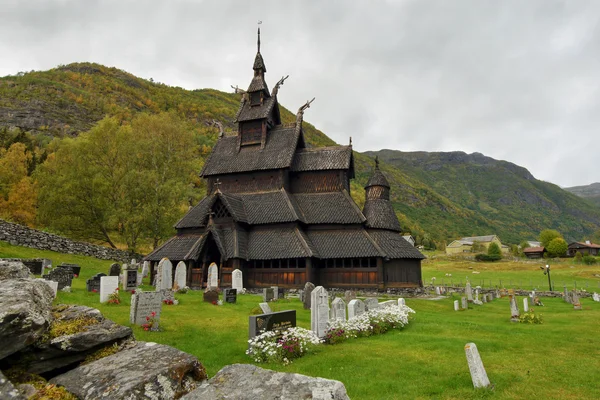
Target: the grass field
(559, 359)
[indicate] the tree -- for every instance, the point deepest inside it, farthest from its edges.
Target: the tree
(547, 235)
(477, 247)
(524, 245)
(494, 250)
(578, 257)
(557, 247)
(17, 190)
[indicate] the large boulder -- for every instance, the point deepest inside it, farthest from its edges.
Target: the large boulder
(7, 389)
(11, 269)
(86, 332)
(249, 382)
(24, 313)
(145, 371)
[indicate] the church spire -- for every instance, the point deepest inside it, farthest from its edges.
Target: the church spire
(259, 64)
(258, 44)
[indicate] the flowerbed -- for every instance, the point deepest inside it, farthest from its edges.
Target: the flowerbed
(284, 346)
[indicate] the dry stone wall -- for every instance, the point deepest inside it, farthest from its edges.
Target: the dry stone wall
(19, 235)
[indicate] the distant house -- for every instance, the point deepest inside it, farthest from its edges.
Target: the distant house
(465, 245)
(409, 239)
(534, 252)
(587, 248)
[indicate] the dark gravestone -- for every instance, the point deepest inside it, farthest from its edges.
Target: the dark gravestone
(36, 267)
(94, 282)
(64, 277)
(211, 296)
(131, 281)
(308, 288)
(115, 270)
(76, 268)
(230, 295)
(281, 293)
(276, 321)
(268, 294)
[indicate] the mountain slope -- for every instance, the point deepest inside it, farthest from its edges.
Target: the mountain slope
(589, 192)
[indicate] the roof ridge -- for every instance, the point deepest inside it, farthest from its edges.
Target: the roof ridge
(379, 249)
(289, 203)
(354, 205)
(303, 241)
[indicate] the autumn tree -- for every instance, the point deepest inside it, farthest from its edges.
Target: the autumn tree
(557, 247)
(547, 235)
(17, 190)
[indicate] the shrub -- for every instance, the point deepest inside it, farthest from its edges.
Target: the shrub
(281, 346)
(531, 318)
(578, 257)
(487, 257)
(557, 247)
(589, 260)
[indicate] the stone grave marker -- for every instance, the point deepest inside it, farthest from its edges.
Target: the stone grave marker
(143, 304)
(464, 303)
(265, 308)
(115, 270)
(319, 311)
(168, 295)
(145, 269)
(64, 277)
(355, 308)
(108, 285)
(212, 279)
(180, 276)
(349, 295)
(211, 296)
(401, 302)
(484, 297)
(437, 291)
(514, 308)
(388, 303)
(469, 292)
(566, 296)
(308, 288)
(478, 374)
(277, 321)
(596, 296)
(338, 309)
(94, 282)
(53, 285)
(371, 303)
(268, 294)
(129, 279)
(275, 292)
(237, 281)
(230, 295)
(575, 300)
(525, 304)
(74, 267)
(36, 266)
(164, 275)
(456, 306)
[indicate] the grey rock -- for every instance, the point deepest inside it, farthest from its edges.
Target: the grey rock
(7, 389)
(13, 270)
(248, 382)
(24, 313)
(145, 371)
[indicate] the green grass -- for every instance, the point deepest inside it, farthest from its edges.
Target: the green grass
(558, 359)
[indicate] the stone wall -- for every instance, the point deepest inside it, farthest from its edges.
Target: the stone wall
(19, 235)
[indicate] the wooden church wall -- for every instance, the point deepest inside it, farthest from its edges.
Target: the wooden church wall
(247, 182)
(318, 181)
(402, 273)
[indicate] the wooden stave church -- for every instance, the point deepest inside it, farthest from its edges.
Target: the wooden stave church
(282, 213)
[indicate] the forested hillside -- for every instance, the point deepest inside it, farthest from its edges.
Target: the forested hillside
(44, 113)
(589, 192)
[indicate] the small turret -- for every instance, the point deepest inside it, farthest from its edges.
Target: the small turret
(378, 209)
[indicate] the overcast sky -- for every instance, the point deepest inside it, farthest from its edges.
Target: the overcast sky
(515, 80)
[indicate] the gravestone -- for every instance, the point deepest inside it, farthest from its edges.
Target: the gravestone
(464, 303)
(212, 280)
(108, 285)
(143, 304)
(168, 295)
(145, 269)
(319, 311)
(349, 295)
(268, 294)
(94, 282)
(211, 296)
(64, 277)
(525, 304)
(36, 266)
(356, 307)
(180, 276)
(131, 279)
(277, 321)
(478, 374)
(237, 281)
(484, 297)
(401, 302)
(275, 292)
(74, 267)
(566, 295)
(53, 285)
(115, 270)
(308, 288)
(437, 291)
(456, 306)
(575, 300)
(388, 303)
(469, 292)
(596, 297)
(164, 275)
(371, 303)
(338, 309)
(265, 308)
(230, 295)
(497, 294)
(514, 308)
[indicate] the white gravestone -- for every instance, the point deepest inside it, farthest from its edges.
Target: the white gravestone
(525, 304)
(338, 309)
(596, 297)
(437, 290)
(265, 308)
(469, 292)
(164, 275)
(319, 311)
(108, 285)
(237, 281)
(143, 304)
(514, 308)
(464, 303)
(478, 374)
(401, 302)
(355, 308)
(53, 285)
(385, 304)
(213, 276)
(456, 306)
(180, 275)
(575, 300)
(145, 269)
(371, 303)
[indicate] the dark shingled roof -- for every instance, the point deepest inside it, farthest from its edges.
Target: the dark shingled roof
(178, 248)
(278, 153)
(347, 243)
(380, 214)
(275, 243)
(323, 158)
(394, 245)
(196, 217)
(235, 205)
(257, 84)
(259, 63)
(248, 112)
(269, 207)
(377, 179)
(328, 208)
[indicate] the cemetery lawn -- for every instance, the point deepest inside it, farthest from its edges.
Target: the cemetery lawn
(557, 360)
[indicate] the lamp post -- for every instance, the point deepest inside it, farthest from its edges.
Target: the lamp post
(547, 272)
